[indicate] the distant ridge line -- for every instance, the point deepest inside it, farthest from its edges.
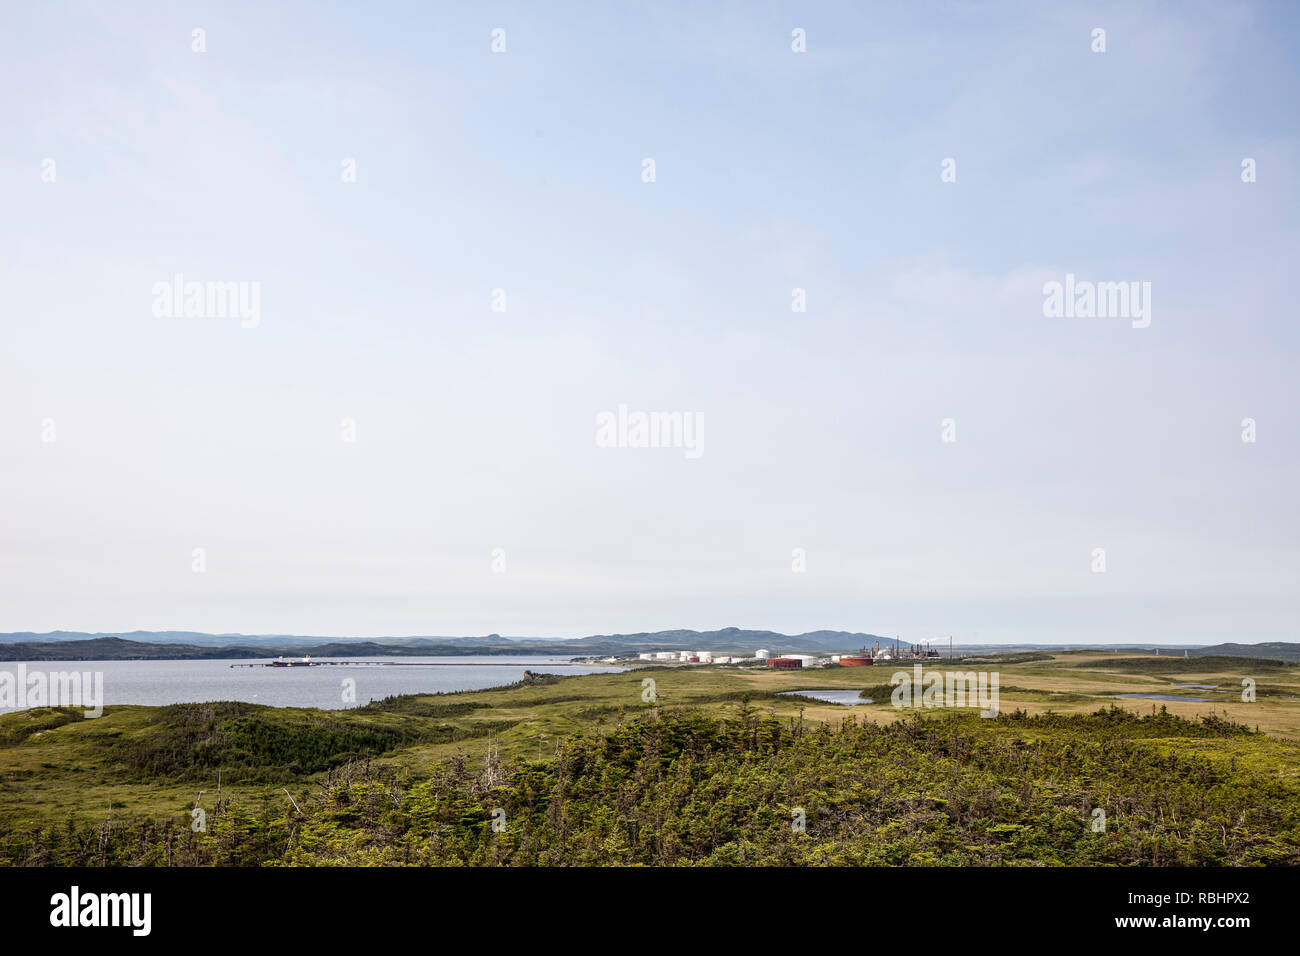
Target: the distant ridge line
(193, 645)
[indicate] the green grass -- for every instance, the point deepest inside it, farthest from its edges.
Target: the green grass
(145, 766)
(689, 788)
(1191, 665)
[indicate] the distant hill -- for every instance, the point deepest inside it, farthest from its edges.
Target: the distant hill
(192, 645)
(200, 639)
(1276, 650)
(172, 645)
(116, 649)
(734, 639)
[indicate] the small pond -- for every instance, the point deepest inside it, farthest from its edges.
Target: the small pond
(848, 697)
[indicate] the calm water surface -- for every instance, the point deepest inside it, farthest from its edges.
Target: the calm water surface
(174, 682)
(849, 697)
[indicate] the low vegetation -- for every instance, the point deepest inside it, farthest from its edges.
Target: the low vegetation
(717, 769)
(1155, 664)
(691, 788)
(254, 743)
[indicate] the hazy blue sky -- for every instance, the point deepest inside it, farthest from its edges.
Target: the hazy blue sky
(775, 170)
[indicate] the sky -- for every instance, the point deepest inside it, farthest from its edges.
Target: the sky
(460, 261)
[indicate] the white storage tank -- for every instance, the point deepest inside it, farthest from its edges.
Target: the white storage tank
(762, 654)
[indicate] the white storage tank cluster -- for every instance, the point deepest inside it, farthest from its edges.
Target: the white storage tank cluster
(703, 657)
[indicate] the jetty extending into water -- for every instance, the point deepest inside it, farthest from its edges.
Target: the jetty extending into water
(352, 663)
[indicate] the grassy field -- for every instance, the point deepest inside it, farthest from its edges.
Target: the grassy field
(154, 761)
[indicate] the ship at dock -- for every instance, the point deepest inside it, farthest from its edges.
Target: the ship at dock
(281, 662)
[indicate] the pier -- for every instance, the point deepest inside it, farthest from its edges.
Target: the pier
(351, 663)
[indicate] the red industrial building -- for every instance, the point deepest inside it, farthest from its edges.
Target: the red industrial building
(787, 663)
